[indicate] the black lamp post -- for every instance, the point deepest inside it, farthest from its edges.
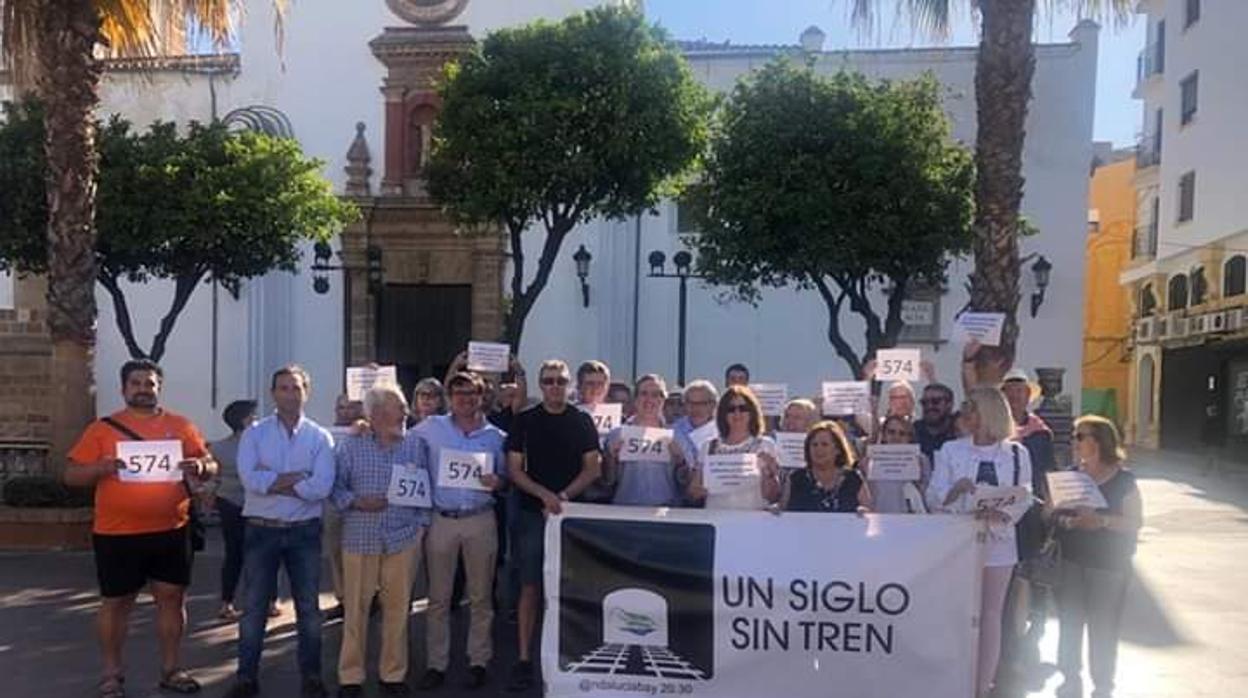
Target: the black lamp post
(1040, 269)
(582, 257)
(322, 253)
(684, 263)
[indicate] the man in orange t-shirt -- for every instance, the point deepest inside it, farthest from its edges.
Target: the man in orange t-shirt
(141, 531)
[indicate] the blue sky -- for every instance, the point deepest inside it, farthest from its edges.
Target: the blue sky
(781, 21)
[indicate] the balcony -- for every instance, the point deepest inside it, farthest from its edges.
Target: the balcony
(1144, 242)
(1151, 63)
(1147, 152)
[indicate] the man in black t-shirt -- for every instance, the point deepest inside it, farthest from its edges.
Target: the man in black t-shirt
(552, 456)
(937, 426)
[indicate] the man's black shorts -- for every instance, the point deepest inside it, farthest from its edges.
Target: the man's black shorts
(125, 563)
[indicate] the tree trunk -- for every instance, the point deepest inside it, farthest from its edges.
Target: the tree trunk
(68, 82)
(1003, 74)
(523, 299)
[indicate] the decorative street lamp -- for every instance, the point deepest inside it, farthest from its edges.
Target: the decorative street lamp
(582, 257)
(684, 264)
(1040, 270)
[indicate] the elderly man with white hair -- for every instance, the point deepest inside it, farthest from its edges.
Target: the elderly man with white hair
(383, 527)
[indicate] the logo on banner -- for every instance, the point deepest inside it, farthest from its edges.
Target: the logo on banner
(650, 613)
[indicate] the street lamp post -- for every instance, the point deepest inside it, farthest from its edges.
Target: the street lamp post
(684, 263)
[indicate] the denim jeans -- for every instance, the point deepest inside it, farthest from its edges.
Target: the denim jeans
(232, 530)
(264, 551)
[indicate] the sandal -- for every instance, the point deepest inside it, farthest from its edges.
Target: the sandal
(112, 687)
(179, 681)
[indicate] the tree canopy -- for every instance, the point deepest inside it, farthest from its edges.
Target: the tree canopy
(560, 123)
(835, 183)
(187, 205)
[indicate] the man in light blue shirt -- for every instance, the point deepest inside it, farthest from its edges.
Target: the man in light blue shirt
(466, 464)
(286, 465)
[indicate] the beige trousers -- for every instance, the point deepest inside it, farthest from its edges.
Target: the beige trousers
(477, 538)
(390, 576)
(331, 542)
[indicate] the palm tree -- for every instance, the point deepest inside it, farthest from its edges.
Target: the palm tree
(54, 48)
(1003, 73)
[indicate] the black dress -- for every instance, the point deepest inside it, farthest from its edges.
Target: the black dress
(805, 494)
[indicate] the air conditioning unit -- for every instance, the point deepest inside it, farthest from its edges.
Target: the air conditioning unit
(1198, 324)
(1145, 329)
(1179, 327)
(1234, 319)
(1161, 327)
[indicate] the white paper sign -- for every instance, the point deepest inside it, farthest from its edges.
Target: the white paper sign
(1014, 501)
(894, 462)
(983, 327)
(644, 444)
(846, 397)
(361, 379)
(409, 487)
(726, 473)
(1069, 489)
(606, 416)
(150, 461)
(897, 364)
(771, 396)
(490, 357)
(463, 469)
(704, 433)
(917, 313)
(792, 448)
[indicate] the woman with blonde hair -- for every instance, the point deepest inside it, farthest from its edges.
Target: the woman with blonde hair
(829, 483)
(988, 456)
(1096, 550)
(651, 481)
(739, 420)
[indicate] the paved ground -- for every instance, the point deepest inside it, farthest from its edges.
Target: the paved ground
(1185, 634)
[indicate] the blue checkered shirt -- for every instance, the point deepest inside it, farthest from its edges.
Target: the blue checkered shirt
(364, 469)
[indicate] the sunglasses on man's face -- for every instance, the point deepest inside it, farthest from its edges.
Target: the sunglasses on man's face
(932, 401)
(555, 380)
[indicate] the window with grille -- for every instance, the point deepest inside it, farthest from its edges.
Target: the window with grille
(1187, 197)
(1233, 276)
(1188, 89)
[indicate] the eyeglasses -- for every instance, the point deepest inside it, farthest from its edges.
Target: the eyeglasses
(738, 409)
(560, 381)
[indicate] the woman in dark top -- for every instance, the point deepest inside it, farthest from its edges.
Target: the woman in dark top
(1096, 550)
(829, 483)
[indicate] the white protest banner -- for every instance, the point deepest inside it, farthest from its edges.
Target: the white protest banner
(409, 487)
(897, 364)
(490, 357)
(725, 473)
(1013, 501)
(644, 444)
(1069, 489)
(771, 396)
(846, 397)
(893, 462)
(704, 433)
(792, 448)
(150, 461)
(463, 469)
(361, 379)
(606, 416)
(982, 327)
(731, 604)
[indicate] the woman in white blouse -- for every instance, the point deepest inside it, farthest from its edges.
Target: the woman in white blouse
(740, 421)
(988, 456)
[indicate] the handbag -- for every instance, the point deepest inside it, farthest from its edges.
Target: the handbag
(195, 525)
(1030, 531)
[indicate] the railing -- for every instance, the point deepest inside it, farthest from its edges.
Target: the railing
(1147, 153)
(1151, 61)
(1144, 242)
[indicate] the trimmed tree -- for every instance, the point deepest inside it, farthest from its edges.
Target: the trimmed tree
(555, 124)
(203, 205)
(836, 184)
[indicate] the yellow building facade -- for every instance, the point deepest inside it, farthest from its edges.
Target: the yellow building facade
(1107, 305)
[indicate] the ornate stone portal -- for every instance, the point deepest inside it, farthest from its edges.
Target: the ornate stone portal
(438, 288)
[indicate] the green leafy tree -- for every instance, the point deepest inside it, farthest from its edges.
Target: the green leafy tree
(1004, 68)
(555, 124)
(838, 184)
(204, 204)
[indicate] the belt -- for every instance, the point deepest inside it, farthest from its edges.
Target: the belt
(456, 514)
(276, 523)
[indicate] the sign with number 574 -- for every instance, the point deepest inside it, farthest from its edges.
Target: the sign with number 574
(150, 461)
(463, 469)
